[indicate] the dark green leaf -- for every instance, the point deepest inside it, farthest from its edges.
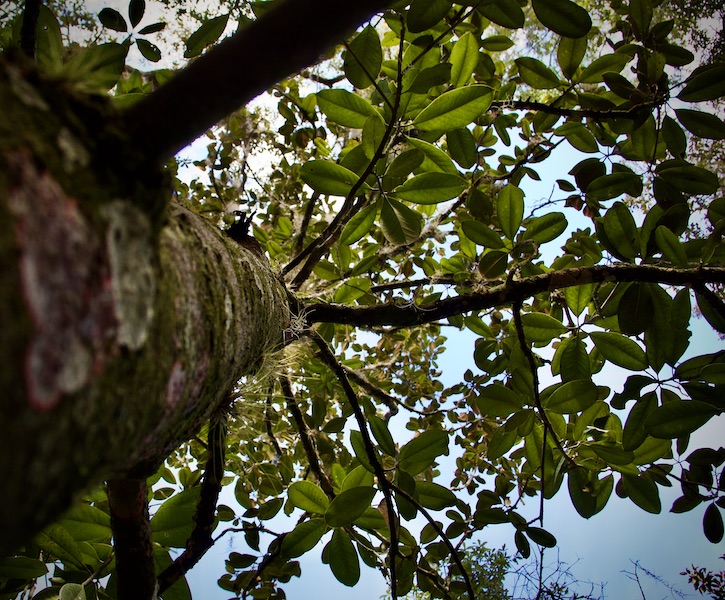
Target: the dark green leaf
(113, 20)
(563, 17)
(303, 538)
(678, 418)
(613, 454)
(643, 492)
(545, 228)
(434, 496)
(536, 74)
(360, 225)
(689, 178)
(431, 188)
(348, 506)
(497, 43)
(136, 10)
(153, 28)
(609, 63)
(420, 452)
(344, 562)
(455, 108)
(640, 13)
(493, 264)
(712, 524)
(636, 309)
(541, 537)
(701, 124)
(621, 230)
(569, 54)
(572, 397)
(481, 234)
(424, 14)
(497, 400)
(635, 433)
(209, 32)
(363, 58)
(330, 178)
(500, 443)
(706, 84)
(21, 567)
(614, 185)
(510, 209)
(382, 435)
(671, 247)
(620, 350)
(522, 544)
(578, 136)
(59, 543)
(506, 13)
(148, 50)
(400, 225)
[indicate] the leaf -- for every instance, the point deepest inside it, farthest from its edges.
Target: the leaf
(539, 327)
(72, 591)
(464, 59)
(704, 125)
(572, 397)
(359, 476)
(373, 136)
(545, 228)
(434, 496)
(434, 76)
(678, 418)
(506, 13)
(424, 14)
(712, 524)
(420, 452)
(500, 443)
(522, 544)
(497, 43)
(636, 309)
(455, 108)
(563, 17)
(635, 433)
(578, 136)
(21, 567)
(303, 538)
(97, 68)
(569, 54)
(434, 159)
(56, 540)
(621, 231)
(173, 522)
(382, 435)
(345, 108)
(344, 562)
(481, 234)
(493, 264)
(400, 225)
(87, 523)
(330, 178)
(431, 188)
(348, 506)
(136, 10)
(541, 537)
(209, 32)
(705, 84)
(643, 492)
(153, 28)
(113, 20)
(614, 185)
(671, 247)
(462, 147)
(689, 178)
(148, 50)
(609, 63)
(620, 350)
(363, 58)
(497, 400)
(536, 74)
(307, 496)
(640, 12)
(359, 225)
(510, 209)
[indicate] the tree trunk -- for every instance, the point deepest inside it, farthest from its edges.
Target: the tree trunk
(124, 320)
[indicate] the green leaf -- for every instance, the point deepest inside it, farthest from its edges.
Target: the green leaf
(545, 228)
(348, 506)
(359, 476)
(578, 136)
(539, 327)
(570, 53)
(405, 163)
(431, 188)
(481, 234)
(344, 562)
(689, 178)
(643, 492)
(710, 312)
(330, 178)
(303, 538)
(500, 443)
(373, 135)
(360, 225)
(620, 350)
(712, 524)
(424, 14)
(614, 185)
(572, 397)
(363, 58)
(434, 496)
(49, 49)
(493, 264)
(671, 247)
(522, 544)
(705, 84)
(435, 160)
(635, 433)
(97, 68)
(541, 537)
(578, 297)
(464, 59)
(434, 76)
(636, 309)
(462, 147)
(536, 74)
(563, 17)
(113, 20)
(173, 522)
(497, 43)
(510, 209)
(506, 13)
(420, 452)
(21, 567)
(72, 591)
(345, 108)
(209, 32)
(455, 108)
(640, 12)
(678, 418)
(497, 400)
(87, 523)
(621, 231)
(148, 50)
(136, 10)
(309, 497)
(609, 63)
(400, 224)
(153, 28)
(704, 125)
(56, 540)
(382, 435)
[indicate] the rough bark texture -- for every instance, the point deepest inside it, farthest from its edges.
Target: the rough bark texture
(123, 320)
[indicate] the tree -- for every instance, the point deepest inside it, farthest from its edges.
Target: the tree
(131, 325)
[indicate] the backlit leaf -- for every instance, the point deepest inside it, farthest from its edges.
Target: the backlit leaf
(348, 506)
(536, 74)
(174, 520)
(678, 418)
(345, 108)
(569, 54)
(464, 59)
(620, 350)
(563, 17)
(307, 496)
(497, 400)
(431, 188)
(363, 58)
(303, 538)
(420, 452)
(455, 108)
(545, 228)
(424, 14)
(539, 327)
(707, 84)
(510, 209)
(609, 63)
(400, 224)
(481, 234)
(506, 13)
(209, 32)
(572, 397)
(701, 124)
(671, 247)
(330, 178)
(643, 492)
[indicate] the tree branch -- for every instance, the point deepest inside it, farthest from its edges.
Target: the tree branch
(406, 315)
(582, 113)
(128, 502)
(290, 36)
(201, 539)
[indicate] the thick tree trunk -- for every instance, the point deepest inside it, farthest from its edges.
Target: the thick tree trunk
(124, 320)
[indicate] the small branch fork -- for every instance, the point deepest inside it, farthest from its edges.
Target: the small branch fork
(385, 485)
(406, 315)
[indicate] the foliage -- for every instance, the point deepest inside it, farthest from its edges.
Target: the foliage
(706, 582)
(399, 209)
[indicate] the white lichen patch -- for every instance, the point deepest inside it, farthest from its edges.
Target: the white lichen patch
(73, 153)
(133, 273)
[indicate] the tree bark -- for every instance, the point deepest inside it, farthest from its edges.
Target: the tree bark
(124, 320)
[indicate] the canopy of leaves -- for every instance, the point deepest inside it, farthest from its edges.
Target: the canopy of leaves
(396, 200)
